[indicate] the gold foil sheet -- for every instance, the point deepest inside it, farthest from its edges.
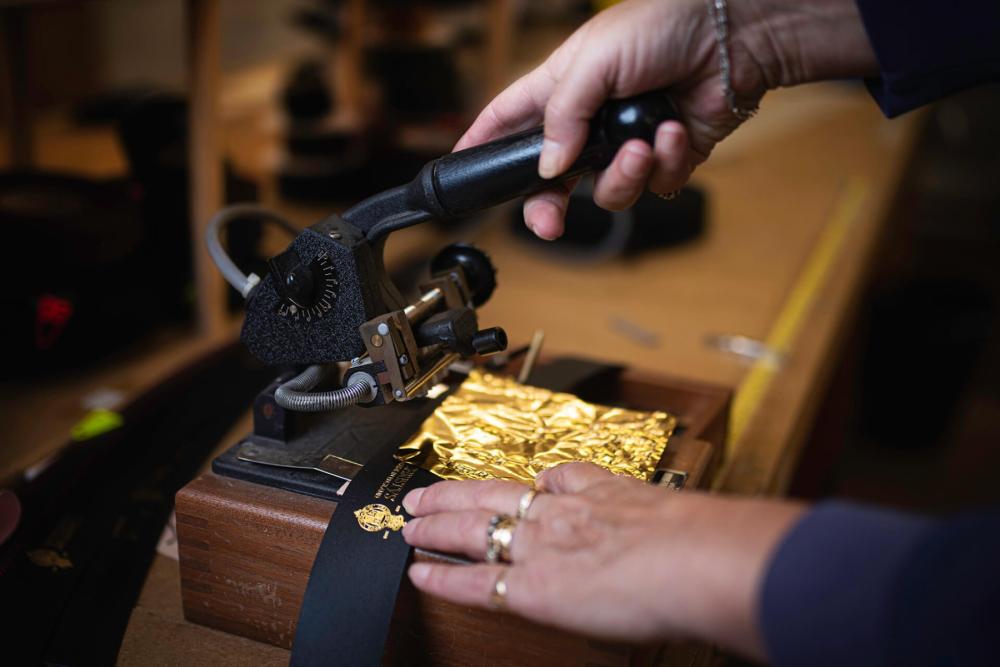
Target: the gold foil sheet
(492, 427)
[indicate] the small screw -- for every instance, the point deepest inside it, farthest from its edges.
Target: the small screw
(403, 360)
(399, 393)
(383, 329)
(376, 340)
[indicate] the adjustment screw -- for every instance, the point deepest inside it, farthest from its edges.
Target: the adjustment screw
(399, 393)
(383, 329)
(403, 360)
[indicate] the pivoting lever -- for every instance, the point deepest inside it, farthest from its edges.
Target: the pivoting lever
(328, 296)
(477, 178)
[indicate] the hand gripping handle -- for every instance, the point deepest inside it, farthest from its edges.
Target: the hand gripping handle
(477, 178)
(483, 176)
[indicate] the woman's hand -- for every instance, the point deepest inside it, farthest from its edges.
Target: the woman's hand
(605, 556)
(641, 45)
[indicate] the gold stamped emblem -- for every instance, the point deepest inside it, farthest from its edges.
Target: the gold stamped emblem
(376, 517)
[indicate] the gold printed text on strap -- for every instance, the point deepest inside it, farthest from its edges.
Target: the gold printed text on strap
(495, 428)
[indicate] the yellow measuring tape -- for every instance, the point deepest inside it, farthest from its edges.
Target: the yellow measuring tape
(751, 392)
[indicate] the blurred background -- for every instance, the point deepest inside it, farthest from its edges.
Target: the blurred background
(838, 272)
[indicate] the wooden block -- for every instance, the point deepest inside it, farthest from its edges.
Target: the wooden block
(246, 551)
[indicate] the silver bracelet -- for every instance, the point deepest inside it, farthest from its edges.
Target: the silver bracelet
(720, 16)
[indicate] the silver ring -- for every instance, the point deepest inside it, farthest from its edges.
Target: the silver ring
(499, 536)
(524, 504)
(498, 597)
(668, 195)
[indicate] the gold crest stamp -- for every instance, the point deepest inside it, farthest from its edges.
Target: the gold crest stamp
(377, 517)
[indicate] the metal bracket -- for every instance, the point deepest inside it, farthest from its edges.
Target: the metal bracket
(286, 456)
(671, 479)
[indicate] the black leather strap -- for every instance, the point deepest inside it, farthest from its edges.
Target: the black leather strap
(351, 594)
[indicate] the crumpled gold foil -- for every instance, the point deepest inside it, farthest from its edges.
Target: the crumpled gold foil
(492, 427)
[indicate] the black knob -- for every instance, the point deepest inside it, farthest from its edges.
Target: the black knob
(300, 286)
(294, 279)
(479, 271)
(490, 340)
(634, 118)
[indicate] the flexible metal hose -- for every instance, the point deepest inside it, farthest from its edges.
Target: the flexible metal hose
(296, 394)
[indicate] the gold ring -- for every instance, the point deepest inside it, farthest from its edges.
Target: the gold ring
(668, 195)
(524, 504)
(498, 598)
(499, 535)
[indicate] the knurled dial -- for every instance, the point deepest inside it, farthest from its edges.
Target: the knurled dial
(308, 291)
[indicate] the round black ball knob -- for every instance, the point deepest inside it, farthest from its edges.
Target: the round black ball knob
(300, 286)
(637, 117)
(479, 271)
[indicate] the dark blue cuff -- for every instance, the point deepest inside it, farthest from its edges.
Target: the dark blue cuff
(854, 585)
(828, 592)
(927, 49)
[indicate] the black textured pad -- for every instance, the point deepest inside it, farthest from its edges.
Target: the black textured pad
(278, 339)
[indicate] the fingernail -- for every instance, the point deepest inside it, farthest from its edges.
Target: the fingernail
(419, 572)
(634, 162)
(409, 527)
(526, 211)
(548, 161)
(412, 500)
(669, 137)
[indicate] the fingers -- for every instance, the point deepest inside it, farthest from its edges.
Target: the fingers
(470, 585)
(572, 477)
(664, 167)
(517, 108)
(465, 533)
(545, 212)
(574, 100)
(672, 165)
(618, 186)
(494, 496)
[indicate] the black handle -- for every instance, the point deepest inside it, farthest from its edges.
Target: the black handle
(483, 176)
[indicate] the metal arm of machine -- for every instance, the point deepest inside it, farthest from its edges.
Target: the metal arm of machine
(329, 299)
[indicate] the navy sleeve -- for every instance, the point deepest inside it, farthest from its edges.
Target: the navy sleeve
(928, 49)
(854, 585)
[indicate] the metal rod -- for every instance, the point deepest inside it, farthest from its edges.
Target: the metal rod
(418, 384)
(419, 311)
